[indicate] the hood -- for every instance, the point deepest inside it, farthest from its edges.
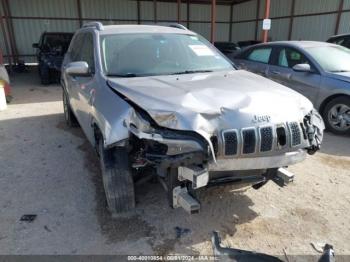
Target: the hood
(344, 76)
(207, 102)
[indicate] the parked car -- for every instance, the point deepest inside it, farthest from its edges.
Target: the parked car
(343, 40)
(244, 44)
(50, 52)
(318, 70)
(5, 82)
(227, 48)
(164, 100)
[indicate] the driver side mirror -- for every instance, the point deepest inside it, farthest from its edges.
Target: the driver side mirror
(302, 68)
(80, 68)
(35, 45)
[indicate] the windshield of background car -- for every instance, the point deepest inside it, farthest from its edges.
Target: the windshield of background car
(57, 41)
(131, 55)
(331, 58)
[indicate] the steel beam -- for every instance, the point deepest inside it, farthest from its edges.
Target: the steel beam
(230, 26)
(267, 15)
(340, 11)
(138, 12)
(155, 11)
(79, 13)
(292, 11)
(7, 12)
(213, 20)
(179, 11)
(258, 3)
(188, 14)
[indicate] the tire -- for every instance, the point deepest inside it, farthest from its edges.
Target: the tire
(117, 179)
(336, 115)
(68, 113)
(44, 73)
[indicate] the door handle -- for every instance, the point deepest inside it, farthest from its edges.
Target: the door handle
(276, 72)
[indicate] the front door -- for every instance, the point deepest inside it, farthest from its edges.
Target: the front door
(281, 71)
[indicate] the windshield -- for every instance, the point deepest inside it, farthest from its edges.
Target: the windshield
(331, 58)
(131, 55)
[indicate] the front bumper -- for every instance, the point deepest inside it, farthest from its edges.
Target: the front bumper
(261, 162)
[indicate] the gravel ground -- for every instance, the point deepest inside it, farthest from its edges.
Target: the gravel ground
(50, 170)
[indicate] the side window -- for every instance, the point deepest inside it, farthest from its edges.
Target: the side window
(87, 51)
(75, 48)
(261, 55)
(289, 57)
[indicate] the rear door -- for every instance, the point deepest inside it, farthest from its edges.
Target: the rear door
(256, 60)
(281, 71)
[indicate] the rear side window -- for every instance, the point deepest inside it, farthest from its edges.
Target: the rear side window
(261, 55)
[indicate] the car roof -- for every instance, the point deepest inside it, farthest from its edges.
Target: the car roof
(122, 29)
(58, 33)
(297, 44)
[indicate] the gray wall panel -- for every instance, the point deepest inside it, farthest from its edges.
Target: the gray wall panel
(243, 31)
(315, 6)
(317, 28)
(245, 11)
(344, 26)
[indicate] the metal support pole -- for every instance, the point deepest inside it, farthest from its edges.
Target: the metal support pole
(340, 11)
(213, 18)
(292, 11)
(79, 13)
(267, 15)
(178, 11)
(138, 12)
(257, 19)
(10, 30)
(188, 14)
(155, 11)
(230, 26)
(5, 37)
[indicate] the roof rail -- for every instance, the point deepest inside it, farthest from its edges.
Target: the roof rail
(179, 26)
(97, 25)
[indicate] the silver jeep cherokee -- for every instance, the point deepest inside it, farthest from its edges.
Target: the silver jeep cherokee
(161, 100)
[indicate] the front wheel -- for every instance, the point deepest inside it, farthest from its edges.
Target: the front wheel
(337, 115)
(117, 179)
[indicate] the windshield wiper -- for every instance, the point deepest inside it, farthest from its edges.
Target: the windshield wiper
(192, 72)
(123, 75)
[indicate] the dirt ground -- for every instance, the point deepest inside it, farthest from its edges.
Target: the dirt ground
(50, 170)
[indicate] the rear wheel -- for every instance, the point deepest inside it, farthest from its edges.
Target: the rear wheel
(68, 113)
(117, 179)
(337, 115)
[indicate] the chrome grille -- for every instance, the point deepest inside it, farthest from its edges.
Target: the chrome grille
(249, 141)
(295, 133)
(266, 136)
(230, 143)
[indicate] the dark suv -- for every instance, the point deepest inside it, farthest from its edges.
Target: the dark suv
(50, 52)
(343, 40)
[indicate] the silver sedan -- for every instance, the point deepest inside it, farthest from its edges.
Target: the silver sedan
(320, 71)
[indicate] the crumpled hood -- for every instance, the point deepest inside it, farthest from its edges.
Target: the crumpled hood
(207, 102)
